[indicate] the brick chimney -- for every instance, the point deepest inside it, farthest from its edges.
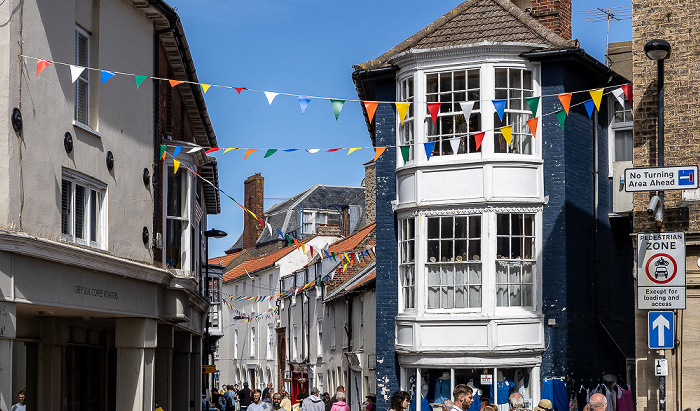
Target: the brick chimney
(370, 192)
(553, 14)
(254, 202)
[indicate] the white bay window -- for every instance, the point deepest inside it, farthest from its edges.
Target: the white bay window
(515, 259)
(178, 225)
(513, 85)
(407, 262)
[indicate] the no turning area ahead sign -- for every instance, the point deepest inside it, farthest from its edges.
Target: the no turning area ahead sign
(661, 271)
(661, 178)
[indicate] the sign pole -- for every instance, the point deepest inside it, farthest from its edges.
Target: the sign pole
(662, 387)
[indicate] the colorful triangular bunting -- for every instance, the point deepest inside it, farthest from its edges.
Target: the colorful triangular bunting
(507, 131)
(269, 152)
(371, 107)
(619, 95)
(402, 109)
(176, 166)
(434, 109)
(454, 143)
(177, 151)
(139, 80)
(479, 137)
(378, 152)
(239, 89)
(533, 102)
(596, 95)
(303, 103)
(590, 105)
(405, 152)
(75, 72)
(249, 152)
(500, 106)
(628, 89)
(270, 96)
(205, 87)
(467, 107)
(353, 149)
(561, 116)
(106, 75)
(337, 106)
(428, 149)
(174, 83)
(565, 99)
(532, 123)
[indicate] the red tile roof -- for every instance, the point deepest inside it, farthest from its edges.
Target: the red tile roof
(364, 281)
(225, 259)
(255, 264)
(349, 243)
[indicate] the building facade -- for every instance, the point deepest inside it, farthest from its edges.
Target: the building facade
(494, 257)
(681, 208)
(102, 299)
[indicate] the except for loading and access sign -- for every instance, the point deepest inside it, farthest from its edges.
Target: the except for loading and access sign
(661, 271)
(661, 178)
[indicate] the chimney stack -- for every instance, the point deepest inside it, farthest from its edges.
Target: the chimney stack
(253, 201)
(554, 15)
(370, 192)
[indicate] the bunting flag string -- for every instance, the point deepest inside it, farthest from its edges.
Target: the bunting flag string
(337, 103)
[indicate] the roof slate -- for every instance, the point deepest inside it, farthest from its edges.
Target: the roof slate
(473, 22)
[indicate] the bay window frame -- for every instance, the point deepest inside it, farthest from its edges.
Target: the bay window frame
(94, 202)
(187, 243)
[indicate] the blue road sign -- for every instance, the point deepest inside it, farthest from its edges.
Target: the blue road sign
(686, 177)
(661, 330)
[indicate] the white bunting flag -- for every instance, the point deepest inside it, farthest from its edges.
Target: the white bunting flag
(270, 96)
(619, 95)
(75, 72)
(454, 142)
(467, 107)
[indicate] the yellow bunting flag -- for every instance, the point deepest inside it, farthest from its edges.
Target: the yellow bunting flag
(352, 150)
(174, 83)
(229, 149)
(346, 256)
(597, 95)
(402, 109)
(565, 99)
(532, 123)
(345, 267)
(249, 152)
(506, 131)
(371, 107)
(303, 248)
(205, 87)
(378, 152)
(177, 165)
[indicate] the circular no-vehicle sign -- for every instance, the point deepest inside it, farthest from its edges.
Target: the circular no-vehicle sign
(661, 268)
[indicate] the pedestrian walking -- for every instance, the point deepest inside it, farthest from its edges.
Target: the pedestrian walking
(313, 402)
(400, 401)
(340, 405)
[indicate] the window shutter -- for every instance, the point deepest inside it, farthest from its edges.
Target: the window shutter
(79, 211)
(65, 206)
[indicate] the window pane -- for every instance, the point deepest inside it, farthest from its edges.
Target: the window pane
(460, 80)
(433, 228)
(475, 226)
(460, 227)
(474, 252)
(527, 296)
(515, 79)
(79, 211)
(65, 206)
(461, 250)
(501, 78)
(473, 79)
(448, 297)
(502, 295)
(528, 272)
(503, 247)
(431, 83)
(173, 244)
(447, 227)
(177, 194)
(446, 250)
(516, 225)
(93, 215)
(515, 296)
(527, 80)
(433, 274)
(501, 272)
(445, 81)
(624, 147)
(514, 277)
(474, 296)
(529, 223)
(433, 251)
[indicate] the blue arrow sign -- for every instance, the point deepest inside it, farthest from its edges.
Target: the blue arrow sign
(661, 330)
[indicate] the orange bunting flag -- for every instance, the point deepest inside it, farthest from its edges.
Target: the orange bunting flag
(565, 101)
(479, 137)
(296, 243)
(402, 109)
(597, 95)
(249, 152)
(371, 107)
(378, 152)
(506, 131)
(434, 109)
(532, 123)
(177, 165)
(41, 64)
(174, 83)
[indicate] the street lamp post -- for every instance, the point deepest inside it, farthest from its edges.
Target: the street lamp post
(207, 347)
(660, 50)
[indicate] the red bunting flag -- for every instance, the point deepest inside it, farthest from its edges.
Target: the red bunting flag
(249, 152)
(371, 107)
(627, 88)
(174, 83)
(311, 250)
(261, 222)
(479, 137)
(532, 123)
(378, 152)
(211, 150)
(238, 89)
(565, 101)
(434, 109)
(41, 64)
(333, 149)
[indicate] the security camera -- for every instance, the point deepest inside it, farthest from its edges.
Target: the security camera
(653, 203)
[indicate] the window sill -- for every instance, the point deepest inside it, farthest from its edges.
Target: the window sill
(87, 129)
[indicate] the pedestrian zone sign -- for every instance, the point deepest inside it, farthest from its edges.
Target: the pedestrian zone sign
(661, 271)
(661, 330)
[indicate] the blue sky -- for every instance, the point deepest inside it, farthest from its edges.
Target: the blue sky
(307, 47)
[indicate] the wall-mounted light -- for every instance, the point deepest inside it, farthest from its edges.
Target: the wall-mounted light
(68, 142)
(144, 235)
(146, 177)
(16, 119)
(110, 161)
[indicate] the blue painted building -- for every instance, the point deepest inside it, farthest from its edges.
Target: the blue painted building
(499, 262)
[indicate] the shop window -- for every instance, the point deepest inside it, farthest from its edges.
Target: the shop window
(454, 262)
(450, 89)
(407, 269)
(513, 85)
(82, 210)
(515, 260)
(406, 137)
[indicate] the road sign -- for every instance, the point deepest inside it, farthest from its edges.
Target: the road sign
(208, 369)
(661, 298)
(661, 259)
(661, 330)
(661, 178)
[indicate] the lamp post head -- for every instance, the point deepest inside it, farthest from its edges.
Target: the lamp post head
(215, 233)
(657, 49)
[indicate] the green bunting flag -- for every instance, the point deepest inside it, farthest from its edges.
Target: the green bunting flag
(533, 102)
(405, 151)
(270, 152)
(561, 116)
(337, 106)
(139, 80)
(162, 151)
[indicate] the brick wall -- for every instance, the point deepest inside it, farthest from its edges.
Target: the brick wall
(370, 193)
(253, 201)
(553, 14)
(663, 20)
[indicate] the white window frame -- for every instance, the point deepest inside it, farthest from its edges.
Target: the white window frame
(235, 344)
(312, 219)
(618, 126)
(295, 343)
(517, 259)
(407, 129)
(307, 335)
(514, 115)
(92, 188)
(253, 347)
(319, 343)
(441, 261)
(187, 249)
(407, 263)
(84, 76)
(270, 341)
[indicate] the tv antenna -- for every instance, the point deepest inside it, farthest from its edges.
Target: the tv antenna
(599, 15)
